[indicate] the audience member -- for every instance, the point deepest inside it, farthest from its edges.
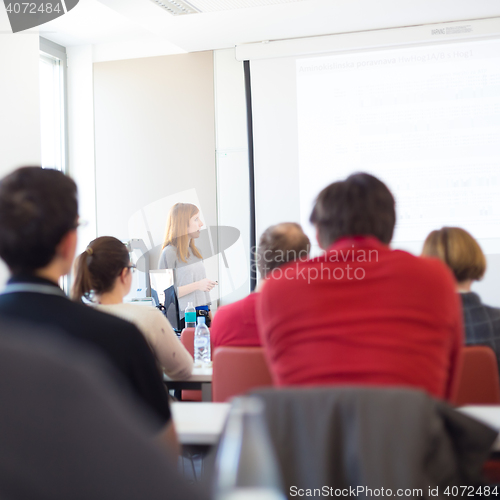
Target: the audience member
(68, 431)
(38, 221)
(236, 323)
(104, 273)
(361, 313)
(463, 255)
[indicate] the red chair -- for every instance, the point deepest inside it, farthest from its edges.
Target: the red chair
(236, 370)
(187, 340)
(478, 382)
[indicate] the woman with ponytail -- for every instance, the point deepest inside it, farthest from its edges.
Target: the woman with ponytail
(103, 274)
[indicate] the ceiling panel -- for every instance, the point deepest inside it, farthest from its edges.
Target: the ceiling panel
(247, 21)
(219, 5)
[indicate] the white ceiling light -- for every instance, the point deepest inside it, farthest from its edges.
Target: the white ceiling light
(180, 7)
(176, 7)
(220, 5)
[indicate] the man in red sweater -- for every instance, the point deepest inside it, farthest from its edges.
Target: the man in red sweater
(361, 313)
(236, 324)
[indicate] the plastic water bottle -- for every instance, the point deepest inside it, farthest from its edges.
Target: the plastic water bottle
(246, 467)
(190, 315)
(201, 343)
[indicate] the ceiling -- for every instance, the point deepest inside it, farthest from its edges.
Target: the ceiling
(101, 22)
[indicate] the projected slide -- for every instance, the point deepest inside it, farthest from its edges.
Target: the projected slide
(424, 120)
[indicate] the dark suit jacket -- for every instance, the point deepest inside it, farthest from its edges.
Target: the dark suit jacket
(120, 341)
(68, 432)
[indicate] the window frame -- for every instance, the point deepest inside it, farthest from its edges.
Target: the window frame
(57, 51)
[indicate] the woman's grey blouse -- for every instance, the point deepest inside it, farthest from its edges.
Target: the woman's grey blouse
(185, 273)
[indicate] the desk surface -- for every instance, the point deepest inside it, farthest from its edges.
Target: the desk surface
(199, 423)
(489, 415)
(202, 423)
(197, 375)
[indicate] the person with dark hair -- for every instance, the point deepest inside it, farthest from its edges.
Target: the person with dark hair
(462, 254)
(103, 273)
(70, 429)
(361, 313)
(360, 205)
(38, 221)
(236, 324)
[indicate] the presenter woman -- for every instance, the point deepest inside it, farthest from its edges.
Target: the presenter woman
(105, 270)
(180, 253)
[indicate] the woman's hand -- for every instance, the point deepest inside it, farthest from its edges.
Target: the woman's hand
(205, 285)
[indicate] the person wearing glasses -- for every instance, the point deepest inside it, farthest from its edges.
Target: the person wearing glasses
(179, 252)
(38, 238)
(103, 274)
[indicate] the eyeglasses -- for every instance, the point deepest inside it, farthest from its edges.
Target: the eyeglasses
(132, 267)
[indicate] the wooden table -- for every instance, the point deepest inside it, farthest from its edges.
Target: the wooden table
(199, 423)
(200, 379)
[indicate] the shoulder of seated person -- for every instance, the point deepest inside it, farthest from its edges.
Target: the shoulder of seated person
(232, 308)
(104, 318)
(146, 311)
(493, 312)
(223, 311)
(433, 271)
(148, 316)
(417, 261)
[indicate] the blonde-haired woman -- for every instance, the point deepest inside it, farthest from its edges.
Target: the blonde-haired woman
(179, 252)
(463, 255)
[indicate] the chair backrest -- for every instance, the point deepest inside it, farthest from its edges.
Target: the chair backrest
(164, 294)
(478, 380)
(348, 436)
(236, 370)
(187, 340)
(172, 307)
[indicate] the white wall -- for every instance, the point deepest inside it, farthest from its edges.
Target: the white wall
(19, 102)
(154, 146)
(231, 158)
(233, 190)
(81, 137)
(19, 98)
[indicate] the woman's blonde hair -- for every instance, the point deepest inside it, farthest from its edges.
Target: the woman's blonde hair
(458, 250)
(176, 232)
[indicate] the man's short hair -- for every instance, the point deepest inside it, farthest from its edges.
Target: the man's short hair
(458, 250)
(37, 208)
(359, 205)
(280, 244)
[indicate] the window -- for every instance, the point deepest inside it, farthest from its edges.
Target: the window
(53, 105)
(53, 112)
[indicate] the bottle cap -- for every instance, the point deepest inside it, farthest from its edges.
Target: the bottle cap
(190, 304)
(201, 320)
